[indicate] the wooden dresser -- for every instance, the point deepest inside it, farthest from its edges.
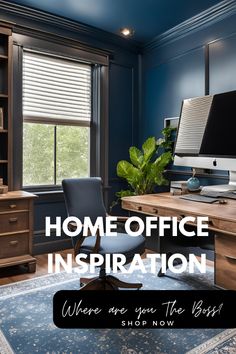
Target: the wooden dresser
(16, 229)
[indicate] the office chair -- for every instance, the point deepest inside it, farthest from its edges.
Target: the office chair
(83, 197)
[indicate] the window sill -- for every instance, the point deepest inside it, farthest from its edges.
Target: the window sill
(43, 192)
(59, 191)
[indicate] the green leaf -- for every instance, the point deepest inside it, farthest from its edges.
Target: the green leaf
(166, 142)
(160, 141)
(136, 156)
(142, 174)
(132, 174)
(124, 193)
(163, 160)
(160, 180)
(156, 169)
(149, 148)
(166, 132)
(124, 168)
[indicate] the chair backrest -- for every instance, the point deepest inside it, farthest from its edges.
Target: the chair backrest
(83, 197)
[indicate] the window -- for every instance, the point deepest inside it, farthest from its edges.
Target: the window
(57, 96)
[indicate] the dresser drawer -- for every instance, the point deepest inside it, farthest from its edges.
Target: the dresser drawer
(222, 225)
(14, 245)
(225, 272)
(225, 245)
(13, 204)
(12, 222)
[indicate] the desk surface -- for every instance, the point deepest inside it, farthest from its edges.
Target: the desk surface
(221, 216)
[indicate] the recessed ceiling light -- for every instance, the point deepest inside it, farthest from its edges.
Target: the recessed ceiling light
(127, 32)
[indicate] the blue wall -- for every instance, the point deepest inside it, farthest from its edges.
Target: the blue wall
(166, 85)
(182, 69)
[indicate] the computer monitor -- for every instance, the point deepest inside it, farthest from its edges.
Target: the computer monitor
(206, 135)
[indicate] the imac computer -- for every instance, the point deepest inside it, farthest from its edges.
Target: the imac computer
(206, 136)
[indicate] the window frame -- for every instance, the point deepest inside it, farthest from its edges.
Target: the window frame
(99, 111)
(55, 122)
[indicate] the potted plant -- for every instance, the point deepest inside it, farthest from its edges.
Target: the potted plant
(146, 168)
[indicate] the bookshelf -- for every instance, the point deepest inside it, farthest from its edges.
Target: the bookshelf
(6, 103)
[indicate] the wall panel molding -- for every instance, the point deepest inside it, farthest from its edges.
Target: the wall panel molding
(205, 19)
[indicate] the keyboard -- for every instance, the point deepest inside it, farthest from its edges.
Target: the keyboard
(213, 194)
(199, 198)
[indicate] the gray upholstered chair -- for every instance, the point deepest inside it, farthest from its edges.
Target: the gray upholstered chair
(83, 197)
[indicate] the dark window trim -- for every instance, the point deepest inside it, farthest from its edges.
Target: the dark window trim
(51, 45)
(99, 125)
(43, 189)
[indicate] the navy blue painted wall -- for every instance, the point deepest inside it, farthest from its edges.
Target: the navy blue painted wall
(166, 85)
(178, 70)
(222, 64)
(200, 63)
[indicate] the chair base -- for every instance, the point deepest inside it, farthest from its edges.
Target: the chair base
(107, 282)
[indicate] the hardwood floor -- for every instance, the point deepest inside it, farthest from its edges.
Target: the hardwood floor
(13, 274)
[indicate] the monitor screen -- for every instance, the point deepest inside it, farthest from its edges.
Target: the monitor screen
(192, 123)
(207, 133)
(219, 139)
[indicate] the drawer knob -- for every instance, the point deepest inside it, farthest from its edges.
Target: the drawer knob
(139, 208)
(13, 243)
(13, 220)
(12, 206)
(155, 210)
(180, 217)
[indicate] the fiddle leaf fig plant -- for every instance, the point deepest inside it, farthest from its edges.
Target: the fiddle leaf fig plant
(146, 168)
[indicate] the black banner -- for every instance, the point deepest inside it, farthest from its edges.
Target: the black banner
(145, 309)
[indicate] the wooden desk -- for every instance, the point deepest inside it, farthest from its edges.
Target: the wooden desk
(222, 220)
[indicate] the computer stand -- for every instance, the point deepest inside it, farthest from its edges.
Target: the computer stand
(231, 186)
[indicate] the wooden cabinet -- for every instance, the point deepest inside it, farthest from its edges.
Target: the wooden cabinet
(16, 229)
(6, 103)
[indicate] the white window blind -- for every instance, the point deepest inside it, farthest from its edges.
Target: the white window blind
(56, 90)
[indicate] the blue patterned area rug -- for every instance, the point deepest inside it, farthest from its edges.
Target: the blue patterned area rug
(27, 326)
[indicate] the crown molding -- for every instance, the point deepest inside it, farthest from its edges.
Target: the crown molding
(41, 17)
(204, 19)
